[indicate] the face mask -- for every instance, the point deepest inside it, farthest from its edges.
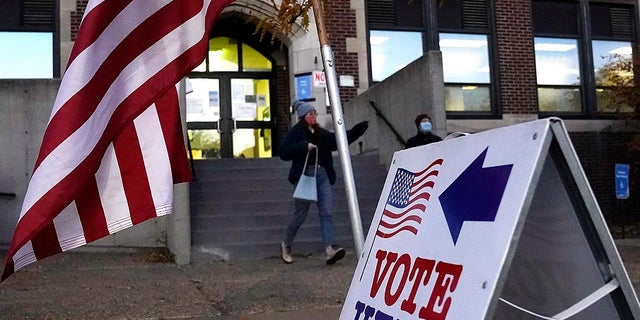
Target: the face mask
(425, 126)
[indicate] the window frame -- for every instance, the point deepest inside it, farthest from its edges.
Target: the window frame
(580, 86)
(26, 56)
(370, 50)
(602, 87)
(490, 85)
(488, 30)
(588, 87)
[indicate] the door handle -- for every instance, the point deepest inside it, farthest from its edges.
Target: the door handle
(218, 126)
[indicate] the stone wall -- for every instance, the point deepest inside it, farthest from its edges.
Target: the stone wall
(415, 89)
(26, 106)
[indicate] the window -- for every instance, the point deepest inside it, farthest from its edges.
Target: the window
(26, 55)
(584, 67)
(252, 60)
(558, 74)
(392, 51)
(613, 68)
(394, 14)
(395, 35)
(396, 39)
(27, 33)
(465, 63)
(613, 39)
(224, 55)
(464, 42)
(557, 54)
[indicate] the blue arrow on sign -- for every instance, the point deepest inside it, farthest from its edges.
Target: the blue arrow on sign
(475, 195)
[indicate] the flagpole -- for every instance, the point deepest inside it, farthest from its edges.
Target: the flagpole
(339, 126)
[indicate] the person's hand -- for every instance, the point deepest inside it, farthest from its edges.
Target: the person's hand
(361, 127)
(311, 146)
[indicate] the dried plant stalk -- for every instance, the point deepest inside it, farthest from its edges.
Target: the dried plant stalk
(287, 13)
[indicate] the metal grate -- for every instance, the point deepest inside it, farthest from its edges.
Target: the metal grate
(381, 12)
(475, 14)
(621, 23)
(38, 12)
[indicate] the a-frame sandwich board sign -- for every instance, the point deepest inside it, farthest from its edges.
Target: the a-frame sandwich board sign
(500, 224)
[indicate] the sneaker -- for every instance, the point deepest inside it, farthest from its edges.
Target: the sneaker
(334, 253)
(285, 253)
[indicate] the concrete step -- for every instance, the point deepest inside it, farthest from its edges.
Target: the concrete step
(247, 210)
(257, 235)
(263, 191)
(234, 221)
(271, 249)
(368, 159)
(214, 173)
(240, 207)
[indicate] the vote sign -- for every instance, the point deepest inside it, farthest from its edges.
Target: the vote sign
(443, 225)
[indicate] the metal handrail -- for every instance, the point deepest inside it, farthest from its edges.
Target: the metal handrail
(381, 116)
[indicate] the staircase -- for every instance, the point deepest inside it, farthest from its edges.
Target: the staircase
(240, 207)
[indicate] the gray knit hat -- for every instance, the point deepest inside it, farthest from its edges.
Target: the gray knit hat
(302, 108)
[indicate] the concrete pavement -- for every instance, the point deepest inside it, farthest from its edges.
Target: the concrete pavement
(143, 285)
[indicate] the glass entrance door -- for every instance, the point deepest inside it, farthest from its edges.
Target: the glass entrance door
(203, 118)
(251, 117)
(229, 118)
(229, 107)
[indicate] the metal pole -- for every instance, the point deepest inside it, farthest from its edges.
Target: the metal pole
(339, 125)
(430, 12)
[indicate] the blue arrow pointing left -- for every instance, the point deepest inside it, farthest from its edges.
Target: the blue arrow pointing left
(475, 195)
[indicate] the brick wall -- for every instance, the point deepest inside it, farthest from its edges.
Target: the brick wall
(76, 17)
(514, 28)
(598, 153)
(340, 22)
(282, 109)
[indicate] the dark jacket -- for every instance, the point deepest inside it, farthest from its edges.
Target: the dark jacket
(295, 147)
(422, 139)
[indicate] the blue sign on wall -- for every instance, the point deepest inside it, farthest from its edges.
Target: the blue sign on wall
(303, 86)
(622, 181)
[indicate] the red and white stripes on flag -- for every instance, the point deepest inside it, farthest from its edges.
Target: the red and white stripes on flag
(113, 147)
(407, 201)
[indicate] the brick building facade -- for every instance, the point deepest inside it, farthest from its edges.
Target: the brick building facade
(509, 27)
(514, 37)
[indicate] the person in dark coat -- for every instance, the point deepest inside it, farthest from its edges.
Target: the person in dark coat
(424, 135)
(307, 136)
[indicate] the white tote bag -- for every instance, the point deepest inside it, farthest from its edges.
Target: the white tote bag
(306, 187)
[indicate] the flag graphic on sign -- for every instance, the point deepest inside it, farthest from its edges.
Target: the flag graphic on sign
(407, 200)
(113, 146)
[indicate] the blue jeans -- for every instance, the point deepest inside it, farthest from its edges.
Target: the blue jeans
(325, 204)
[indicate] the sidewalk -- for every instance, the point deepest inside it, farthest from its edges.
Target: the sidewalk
(141, 285)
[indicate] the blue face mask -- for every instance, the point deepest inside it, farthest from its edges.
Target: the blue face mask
(425, 126)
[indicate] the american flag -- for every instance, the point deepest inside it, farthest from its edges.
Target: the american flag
(408, 198)
(113, 146)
